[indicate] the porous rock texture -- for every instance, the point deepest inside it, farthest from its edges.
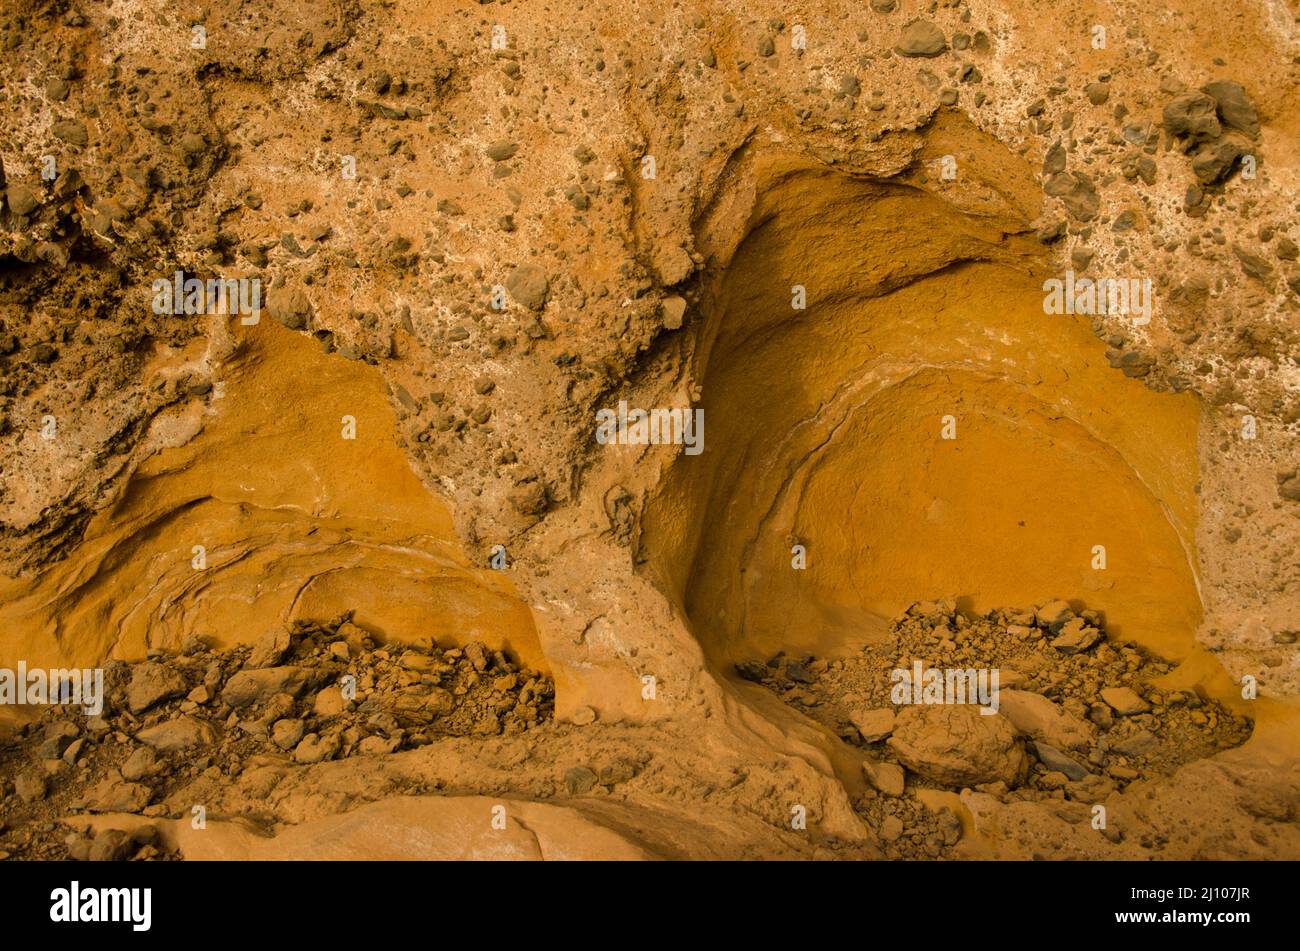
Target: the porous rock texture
(474, 226)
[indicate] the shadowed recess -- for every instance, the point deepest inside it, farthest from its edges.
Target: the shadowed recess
(826, 425)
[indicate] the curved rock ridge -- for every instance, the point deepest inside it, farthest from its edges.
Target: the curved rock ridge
(923, 321)
(265, 513)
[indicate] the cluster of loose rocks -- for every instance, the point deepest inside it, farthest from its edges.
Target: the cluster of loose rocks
(1077, 716)
(1216, 126)
(297, 696)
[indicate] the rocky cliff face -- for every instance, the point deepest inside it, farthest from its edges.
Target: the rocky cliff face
(306, 318)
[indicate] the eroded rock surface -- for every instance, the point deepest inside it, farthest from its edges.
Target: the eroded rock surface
(833, 231)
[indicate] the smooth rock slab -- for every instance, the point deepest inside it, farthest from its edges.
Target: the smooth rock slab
(411, 828)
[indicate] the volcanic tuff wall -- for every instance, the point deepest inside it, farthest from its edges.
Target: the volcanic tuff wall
(776, 164)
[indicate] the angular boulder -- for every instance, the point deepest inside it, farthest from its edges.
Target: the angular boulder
(1040, 719)
(956, 745)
